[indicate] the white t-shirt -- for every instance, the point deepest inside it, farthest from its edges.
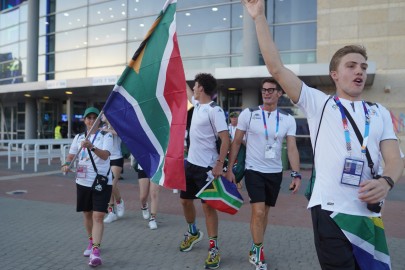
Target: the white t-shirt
(232, 130)
(116, 148)
(102, 141)
(331, 148)
(206, 120)
(256, 138)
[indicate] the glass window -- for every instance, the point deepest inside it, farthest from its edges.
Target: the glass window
(23, 12)
(23, 31)
(71, 19)
(42, 7)
(71, 40)
(139, 8)
(206, 63)
(108, 71)
(41, 45)
(107, 56)
(107, 12)
(191, 21)
(12, 49)
(70, 60)
(42, 26)
(23, 49)
(131, 49)
(198, 3)
(236, 61)
(10, 18)
(107, 33)
(41, 65)
(217, 43)
(9, 35)
(298, 57)
(65, 5)
(295, 37)
(70, 74)
(139, 28)
(294, 10)
(237, 15)
(237, 41)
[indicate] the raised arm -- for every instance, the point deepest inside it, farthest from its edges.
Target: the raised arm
(290, 83)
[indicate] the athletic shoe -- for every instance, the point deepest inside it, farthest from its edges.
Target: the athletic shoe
(95, 259)
(213, 260)
(110, 217)
(261, 266)
(120, 208)
(190, 240)
(88, 250)
(152, 224)
(145, 211)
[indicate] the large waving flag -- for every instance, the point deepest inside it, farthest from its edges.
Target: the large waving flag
(148, 105)
(366, 234)
(221, 194)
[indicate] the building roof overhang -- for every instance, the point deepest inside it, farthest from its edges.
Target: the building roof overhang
(315, 75)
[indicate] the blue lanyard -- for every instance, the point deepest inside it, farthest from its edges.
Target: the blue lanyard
(346, 126)
(265, 125)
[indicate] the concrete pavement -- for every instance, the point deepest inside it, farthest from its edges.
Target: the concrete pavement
(41, 230)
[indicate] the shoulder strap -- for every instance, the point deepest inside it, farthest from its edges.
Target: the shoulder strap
(360, 138)
(213, 105)
(92, 161)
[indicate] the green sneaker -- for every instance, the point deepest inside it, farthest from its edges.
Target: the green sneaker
(190, 240)
(213, 260)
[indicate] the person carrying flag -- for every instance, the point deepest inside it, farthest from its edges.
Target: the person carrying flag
(264, 128)
(347, 134)
(207, 125)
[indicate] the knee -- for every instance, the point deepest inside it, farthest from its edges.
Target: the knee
(98, 217)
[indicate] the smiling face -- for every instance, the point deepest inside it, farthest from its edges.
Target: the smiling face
(270, 94)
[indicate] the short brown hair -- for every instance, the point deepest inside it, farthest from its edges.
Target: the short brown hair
(335, 61)
(272, 80)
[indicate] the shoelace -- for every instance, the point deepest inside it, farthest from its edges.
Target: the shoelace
(213, 253)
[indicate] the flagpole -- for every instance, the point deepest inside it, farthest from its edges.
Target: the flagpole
(95, 124)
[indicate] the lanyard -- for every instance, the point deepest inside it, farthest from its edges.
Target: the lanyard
(346, 126)
(94, 138)
(265, 125)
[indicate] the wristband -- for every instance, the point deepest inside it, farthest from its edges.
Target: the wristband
(389, 180)
(67, 163)
(295, 174)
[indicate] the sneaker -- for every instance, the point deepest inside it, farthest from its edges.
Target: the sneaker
(252, 257)
(190, 240)
(110, 217)
(152, 224)
(120, 209)
(88, 250)
(261, 266)
(213, 260)
(145, 212)
(95, 259)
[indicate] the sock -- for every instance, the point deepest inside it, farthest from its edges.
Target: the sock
(90, 238)
(213, 242)
(192, 228)
(110, 207)
(152, 216)
(258, 250)
(96, 245)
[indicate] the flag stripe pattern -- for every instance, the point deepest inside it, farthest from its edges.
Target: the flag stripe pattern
(222, 195)
(148, 106)
(366, 234)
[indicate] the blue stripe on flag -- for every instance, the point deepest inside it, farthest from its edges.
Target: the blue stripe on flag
(122, 113)
(367, 260)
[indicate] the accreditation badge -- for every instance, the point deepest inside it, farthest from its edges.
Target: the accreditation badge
(352, 171)
(81, 171)
(269, 152)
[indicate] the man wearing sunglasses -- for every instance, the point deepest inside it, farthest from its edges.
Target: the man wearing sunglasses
(265, 127)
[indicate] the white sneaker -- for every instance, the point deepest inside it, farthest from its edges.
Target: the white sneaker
(120, 207)
(110, 217)
(145, 212)
(88, 250)
(152, 224)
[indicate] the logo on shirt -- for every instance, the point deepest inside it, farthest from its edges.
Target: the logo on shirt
(335, 107)
(256, 116)
(373, 112)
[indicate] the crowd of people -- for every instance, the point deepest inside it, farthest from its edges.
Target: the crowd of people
(347, 183)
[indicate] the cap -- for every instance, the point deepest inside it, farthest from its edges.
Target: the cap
(90, 110)
(233, 114)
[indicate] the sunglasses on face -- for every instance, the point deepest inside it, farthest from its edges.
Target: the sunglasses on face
(268, 90)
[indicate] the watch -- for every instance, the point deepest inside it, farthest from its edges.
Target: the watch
(93, 149)
(389, 181)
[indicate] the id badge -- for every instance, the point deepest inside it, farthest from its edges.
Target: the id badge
(269, 152)
(352, 171)
(81, 171)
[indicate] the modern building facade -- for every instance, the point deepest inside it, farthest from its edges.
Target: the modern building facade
(58, 57)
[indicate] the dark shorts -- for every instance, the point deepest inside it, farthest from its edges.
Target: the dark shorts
(196, 177)
(89, 200)
(117, 162)
(334, 250)
(142, 174)
(263, 187)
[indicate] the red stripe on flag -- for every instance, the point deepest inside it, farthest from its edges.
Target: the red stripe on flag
(176, 98)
